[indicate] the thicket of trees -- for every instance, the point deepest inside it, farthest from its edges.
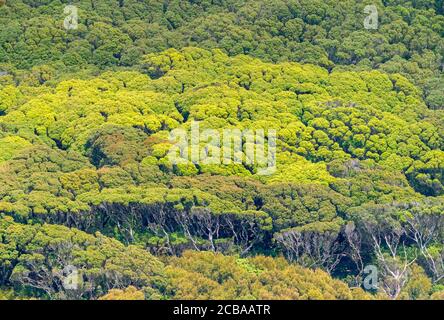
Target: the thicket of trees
(327, 33)
(34, 260)
(85, 117)
(92, 154)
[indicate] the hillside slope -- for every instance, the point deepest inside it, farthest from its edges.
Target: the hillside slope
(221, 150)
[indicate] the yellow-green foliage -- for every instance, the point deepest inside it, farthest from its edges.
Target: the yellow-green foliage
(344, 139)
(131, 273)
(207, 275)
(11, 145)
(130, 293)
(85, 122)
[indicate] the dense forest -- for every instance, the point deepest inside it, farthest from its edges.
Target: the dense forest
(86, 116)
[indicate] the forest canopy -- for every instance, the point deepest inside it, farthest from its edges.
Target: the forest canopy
(86, 117)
